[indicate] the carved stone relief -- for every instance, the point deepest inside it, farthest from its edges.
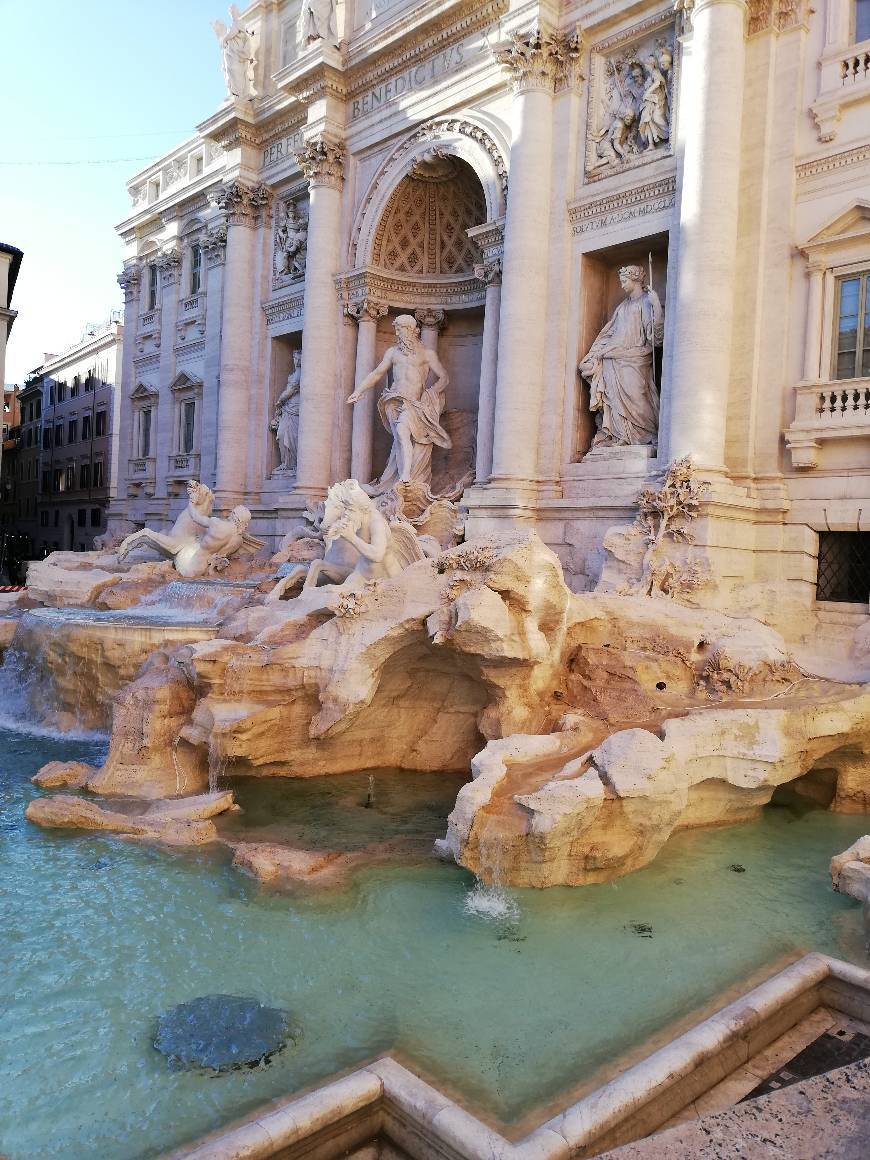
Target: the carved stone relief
(631, 101)
(291, 242)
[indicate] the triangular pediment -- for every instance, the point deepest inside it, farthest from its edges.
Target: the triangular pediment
(853, 223)
(143, 391)
(184, 381)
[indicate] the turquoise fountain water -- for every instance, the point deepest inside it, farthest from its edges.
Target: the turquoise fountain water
(100, 937)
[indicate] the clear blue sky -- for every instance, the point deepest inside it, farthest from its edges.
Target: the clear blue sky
(92, 81)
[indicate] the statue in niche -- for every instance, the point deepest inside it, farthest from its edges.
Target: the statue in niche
(291, 241)
(620, 370)
(286, 421)
(362, 544)
(238, 56)
(198, 542)
(317, 22)
(409, 409)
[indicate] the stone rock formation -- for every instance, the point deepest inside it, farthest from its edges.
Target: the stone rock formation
(594, 725)
(850, 871)
(184, 822)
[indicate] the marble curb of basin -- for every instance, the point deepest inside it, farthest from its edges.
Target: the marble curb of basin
(384, 1100)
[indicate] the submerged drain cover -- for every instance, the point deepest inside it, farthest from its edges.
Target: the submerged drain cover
(222, 1032)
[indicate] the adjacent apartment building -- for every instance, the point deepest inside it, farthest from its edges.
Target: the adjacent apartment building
(77, 461)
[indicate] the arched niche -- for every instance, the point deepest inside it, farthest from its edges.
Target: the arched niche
(469, 142)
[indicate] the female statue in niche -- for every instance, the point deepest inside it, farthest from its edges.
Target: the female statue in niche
(619, 367)
(286, 421)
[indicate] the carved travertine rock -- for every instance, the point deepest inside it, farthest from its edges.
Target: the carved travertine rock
(859, 852)
(184, 824)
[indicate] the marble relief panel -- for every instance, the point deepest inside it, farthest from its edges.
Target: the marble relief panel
(632, 87)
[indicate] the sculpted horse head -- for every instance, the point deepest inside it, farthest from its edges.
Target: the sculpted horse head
(200, 496)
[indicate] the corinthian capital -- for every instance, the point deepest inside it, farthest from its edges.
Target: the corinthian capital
(368, 309)
(241, 203)
(128, 280)
(539, 59)
(431, 319)
(322, 162)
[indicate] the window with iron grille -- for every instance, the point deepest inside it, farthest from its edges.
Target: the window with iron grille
(844, 567)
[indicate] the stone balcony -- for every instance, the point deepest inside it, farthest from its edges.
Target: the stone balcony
(844, 78)
(832, 410)
(183, 465)
(141, 475)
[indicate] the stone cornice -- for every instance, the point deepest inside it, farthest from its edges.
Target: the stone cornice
(860, 155)
(282, 309)
(623, 205)
(375, 66)
(408, 292)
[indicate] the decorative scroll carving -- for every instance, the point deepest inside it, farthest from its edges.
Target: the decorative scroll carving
(631, 101)
(322, 162)
(240, 203)
(431, 318)
(169, 265)
(368, 308)
(128, 280)
(539, 59)
(214, 244)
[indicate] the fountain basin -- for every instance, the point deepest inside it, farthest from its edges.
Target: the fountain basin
(109, 934)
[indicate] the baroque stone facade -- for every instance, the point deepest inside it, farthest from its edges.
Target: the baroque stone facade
(488, 170)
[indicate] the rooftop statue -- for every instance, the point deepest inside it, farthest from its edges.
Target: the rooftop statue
(619, 367)
(409, 409)
(237, 50)
(317, 22)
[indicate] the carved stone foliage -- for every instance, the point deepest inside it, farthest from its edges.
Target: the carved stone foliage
(423, 227)
(128, 280)
(633, 82)
(291, 242)
(779, 15)
(369, 309)
(539, 59)
(169, 265)
(214, 243)
(240, 203)
(322, 162)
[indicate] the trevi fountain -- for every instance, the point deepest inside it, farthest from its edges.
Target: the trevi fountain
(434, 796)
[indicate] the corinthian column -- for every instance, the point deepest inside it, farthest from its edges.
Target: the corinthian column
(490, 274)
(536, 61)
(366, 314)
(431, 324)
(241, 205)
(169, 265)
(322, 163)
(695, 399)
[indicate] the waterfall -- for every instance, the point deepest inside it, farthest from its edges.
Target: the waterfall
(491, 901)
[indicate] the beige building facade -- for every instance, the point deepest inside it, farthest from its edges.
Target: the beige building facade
(489, 169)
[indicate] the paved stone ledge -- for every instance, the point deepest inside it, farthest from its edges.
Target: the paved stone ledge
(824, 1118)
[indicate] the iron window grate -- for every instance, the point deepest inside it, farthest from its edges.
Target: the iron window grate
(844, 567)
